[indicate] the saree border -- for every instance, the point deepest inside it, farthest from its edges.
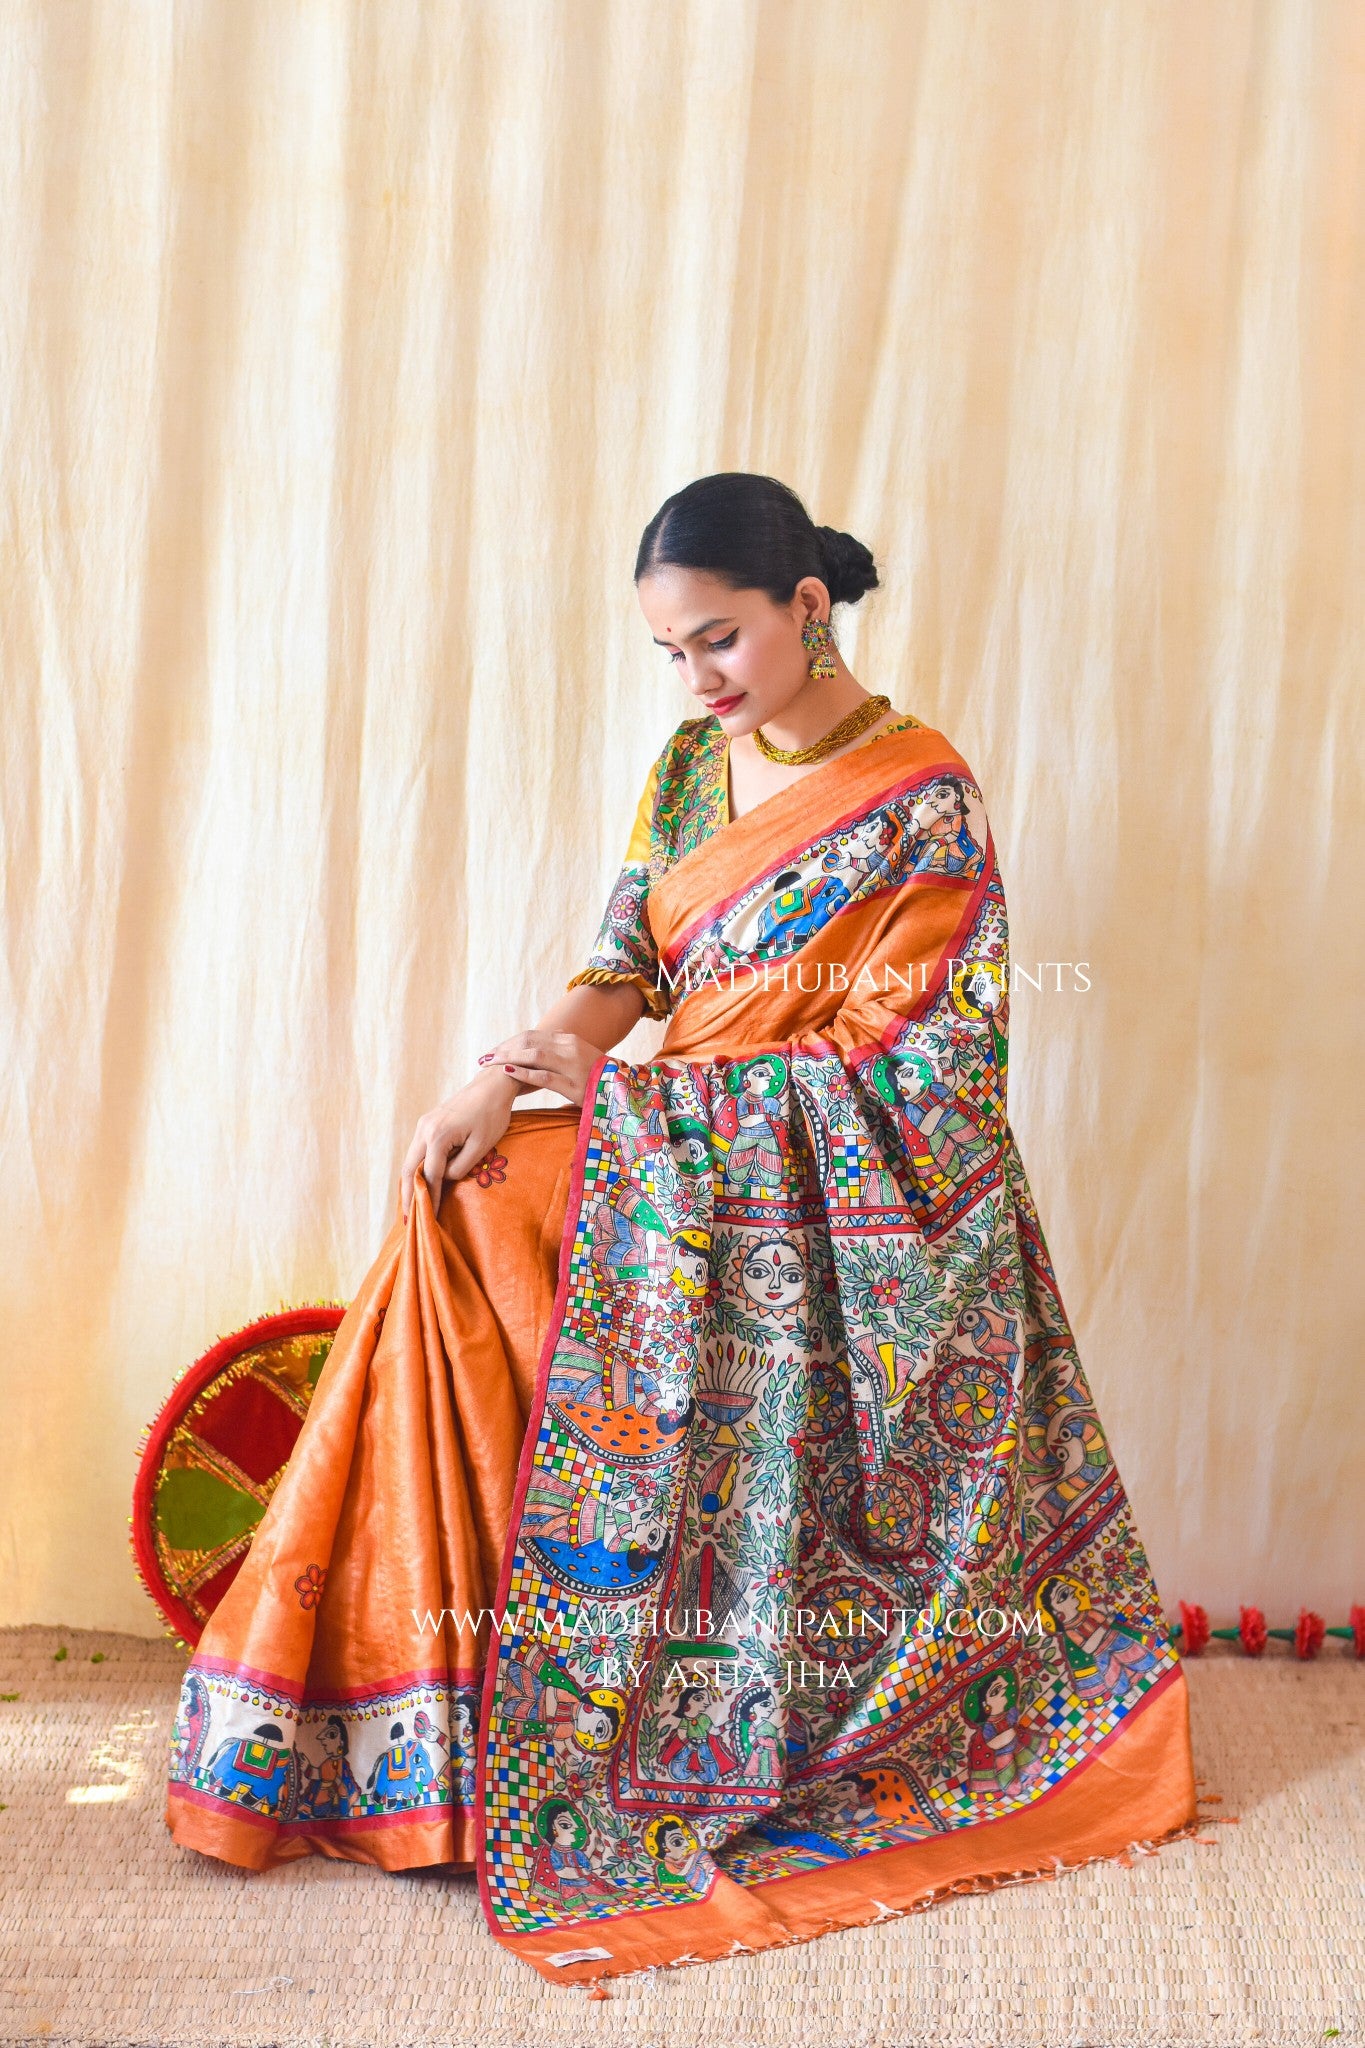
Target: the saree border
(721, 904)
(755, 1924)
(442, 1674)
(526, 1461)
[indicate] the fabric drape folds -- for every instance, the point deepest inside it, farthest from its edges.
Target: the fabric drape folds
(817, 1590)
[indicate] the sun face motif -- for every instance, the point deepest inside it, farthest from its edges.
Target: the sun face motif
(773, 1275)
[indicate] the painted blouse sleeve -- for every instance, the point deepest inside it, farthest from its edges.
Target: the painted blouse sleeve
(625, 948)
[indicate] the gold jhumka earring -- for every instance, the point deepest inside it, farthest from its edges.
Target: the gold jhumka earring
(815, 638)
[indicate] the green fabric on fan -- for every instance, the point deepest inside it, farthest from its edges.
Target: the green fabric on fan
(199, 1511)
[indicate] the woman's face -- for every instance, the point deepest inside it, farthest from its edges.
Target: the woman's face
(773, 1275)
(563, 1829)
(645, 1529)
(938, 801)
(691, 1271)
(595, 1727)
(997, 1698)
(676, 1846)
(739, 654)
(869, 839)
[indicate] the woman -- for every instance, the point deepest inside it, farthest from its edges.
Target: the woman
(725, 1382)
(1003, 1752)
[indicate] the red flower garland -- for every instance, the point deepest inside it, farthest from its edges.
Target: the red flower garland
(1308, 1636)
(1251, 1629)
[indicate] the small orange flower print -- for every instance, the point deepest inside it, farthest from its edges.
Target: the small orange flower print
(492, 1167)
(309, 1587)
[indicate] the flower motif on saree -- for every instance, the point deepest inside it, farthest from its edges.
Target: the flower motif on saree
(310, 1584)
(491, 1169)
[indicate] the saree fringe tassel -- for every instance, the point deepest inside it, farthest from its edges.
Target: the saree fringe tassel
(703, 1527)
(961, 1887)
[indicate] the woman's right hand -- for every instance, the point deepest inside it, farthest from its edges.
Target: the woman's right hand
(451, 1139)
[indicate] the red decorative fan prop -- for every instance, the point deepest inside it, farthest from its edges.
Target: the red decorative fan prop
(214, 1455)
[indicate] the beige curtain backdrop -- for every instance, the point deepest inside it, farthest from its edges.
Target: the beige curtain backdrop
(344, 351)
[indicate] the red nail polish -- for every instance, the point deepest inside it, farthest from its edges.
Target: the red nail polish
(509, 1070)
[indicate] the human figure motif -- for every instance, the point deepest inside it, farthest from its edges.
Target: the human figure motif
(598, 1720)
(637, 1133)
(330, 1789)
(881, 1796)
(191, 1725)
(622, 1231)
(758, 1736)
(878, 1381)
(668, 1316)
(1104, 1658)
(562, 1868)
(979, 990)
(941, 817)
(433, 1736)
(463, 1760)
(872, 847)
(1004, 1754)
(538, 1694)
(680, 1862)
(938, 1130)
(755, 1154)
(694, 1753)
(402, 1774)
(629, 1513)
(546, 1699)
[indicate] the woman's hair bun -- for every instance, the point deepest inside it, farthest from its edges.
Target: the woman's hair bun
(849, 567)
(756, 534)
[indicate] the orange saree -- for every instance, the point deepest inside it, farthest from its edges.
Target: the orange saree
(703, 1526)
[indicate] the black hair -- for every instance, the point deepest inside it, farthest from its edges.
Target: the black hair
(613, 1714)
(756, 534)
(1047, 1592)
(957, 786)
(548, 1813)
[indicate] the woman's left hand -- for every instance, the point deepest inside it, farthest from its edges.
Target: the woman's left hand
(547, 1059)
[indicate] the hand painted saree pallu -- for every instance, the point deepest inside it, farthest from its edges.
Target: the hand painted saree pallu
(704, 1526)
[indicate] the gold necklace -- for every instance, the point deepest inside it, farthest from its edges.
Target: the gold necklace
(837, 736)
